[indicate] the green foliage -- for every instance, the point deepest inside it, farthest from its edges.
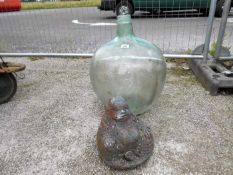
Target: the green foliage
(213, 47)
(35, 58)
(59, 4)
(188, 51)
(212, 50)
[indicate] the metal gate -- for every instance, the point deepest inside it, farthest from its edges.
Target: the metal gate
(80, 31)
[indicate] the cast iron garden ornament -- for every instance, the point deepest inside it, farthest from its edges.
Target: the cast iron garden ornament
(123, 141)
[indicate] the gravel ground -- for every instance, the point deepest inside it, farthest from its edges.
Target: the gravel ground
(50, 125)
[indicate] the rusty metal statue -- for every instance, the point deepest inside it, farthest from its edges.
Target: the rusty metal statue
(123, 141)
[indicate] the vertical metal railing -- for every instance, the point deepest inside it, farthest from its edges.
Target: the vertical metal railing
(222, 28)
(209, 30)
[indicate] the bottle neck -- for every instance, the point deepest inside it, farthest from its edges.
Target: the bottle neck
(124, 26)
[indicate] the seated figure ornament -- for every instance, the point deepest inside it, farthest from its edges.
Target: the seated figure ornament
(123, 141)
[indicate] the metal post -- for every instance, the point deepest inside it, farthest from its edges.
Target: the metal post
(225, 58)
(222, 28)
(209, 29)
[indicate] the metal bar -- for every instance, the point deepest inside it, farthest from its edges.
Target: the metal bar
(222, 28)
(183, 56)
(88, 55)
(225, 58)
(46, 54)
(209, 29)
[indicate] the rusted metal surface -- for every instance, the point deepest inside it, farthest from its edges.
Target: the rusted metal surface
(123, 141)
(10, 67)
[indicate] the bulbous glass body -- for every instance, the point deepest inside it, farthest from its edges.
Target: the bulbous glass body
(130, 67)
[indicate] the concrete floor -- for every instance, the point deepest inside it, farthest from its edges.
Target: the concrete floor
(50, 125)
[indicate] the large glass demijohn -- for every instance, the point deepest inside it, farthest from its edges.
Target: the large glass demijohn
(130, 67)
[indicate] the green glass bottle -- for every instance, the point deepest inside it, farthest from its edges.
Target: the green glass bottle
(130, 67)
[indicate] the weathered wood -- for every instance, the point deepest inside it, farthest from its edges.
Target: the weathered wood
(10, 67)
